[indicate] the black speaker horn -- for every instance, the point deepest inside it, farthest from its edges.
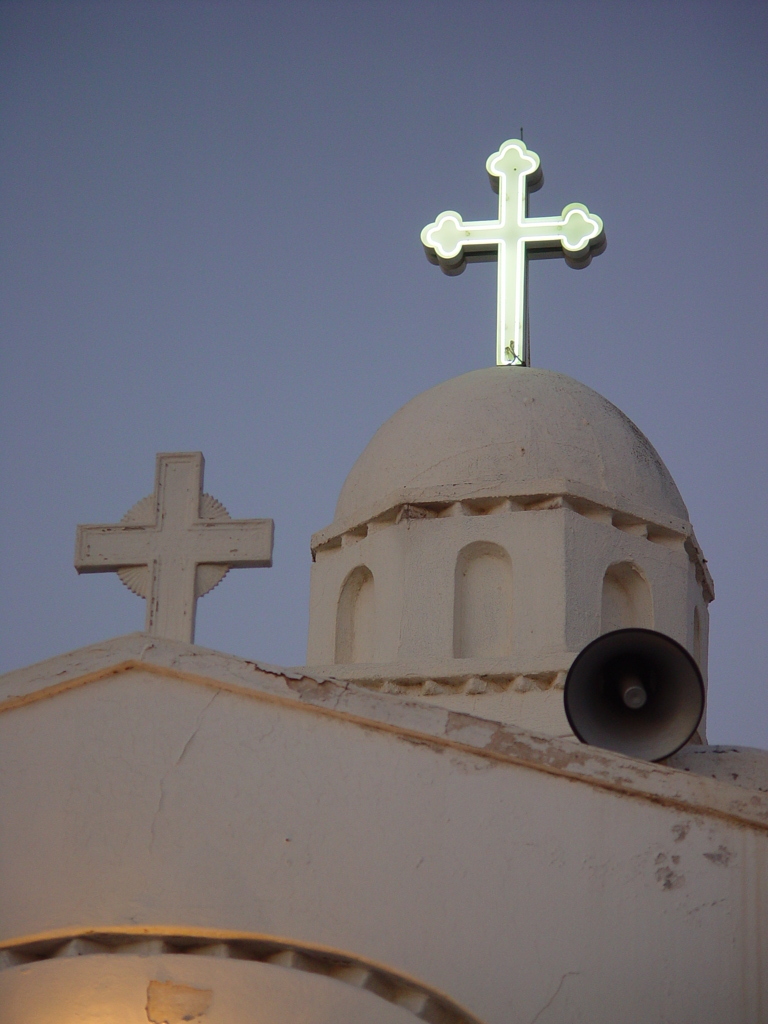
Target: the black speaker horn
(634, 691)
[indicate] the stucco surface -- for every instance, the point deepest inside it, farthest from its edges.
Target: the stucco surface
(507, 430)
(473, 858)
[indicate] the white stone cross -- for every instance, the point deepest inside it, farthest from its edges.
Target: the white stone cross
(513, 239)
(175, 545)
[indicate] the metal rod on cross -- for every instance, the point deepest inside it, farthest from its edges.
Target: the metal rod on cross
(512, 240)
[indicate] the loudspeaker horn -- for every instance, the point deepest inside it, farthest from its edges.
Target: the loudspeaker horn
(634, 691)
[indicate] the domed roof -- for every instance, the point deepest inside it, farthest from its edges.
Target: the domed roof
(507, 432)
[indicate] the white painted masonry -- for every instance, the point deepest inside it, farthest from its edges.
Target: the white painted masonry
(405, 830)
(586, 527)
(468, 870)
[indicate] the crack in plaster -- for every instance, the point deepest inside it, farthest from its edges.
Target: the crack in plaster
(179, 759)
(568, 974)
(342, 693)
(704, 906)
(553, 755)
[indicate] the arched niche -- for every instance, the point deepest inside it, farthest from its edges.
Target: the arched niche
(482, 607)
(626, 598)
(356, 618)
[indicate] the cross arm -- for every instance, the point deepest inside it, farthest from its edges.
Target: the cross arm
(104, 548)
(450, 242)
(577, 234)
(238, 543)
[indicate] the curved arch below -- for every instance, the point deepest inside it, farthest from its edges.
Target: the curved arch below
(417, 1000)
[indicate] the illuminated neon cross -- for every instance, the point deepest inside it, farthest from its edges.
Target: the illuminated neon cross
(174, 545)
(512, 240)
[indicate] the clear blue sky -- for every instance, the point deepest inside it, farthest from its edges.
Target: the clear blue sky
(211, 216)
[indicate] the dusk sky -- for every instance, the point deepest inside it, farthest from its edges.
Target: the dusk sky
(211, 217)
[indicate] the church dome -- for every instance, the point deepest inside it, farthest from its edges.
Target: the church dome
(509, 432)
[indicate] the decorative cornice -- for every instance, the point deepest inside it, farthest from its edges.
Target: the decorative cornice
(430, 681)
(611, 510)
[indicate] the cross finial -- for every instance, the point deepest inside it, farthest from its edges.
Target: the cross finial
(512, 240)
(175, 545)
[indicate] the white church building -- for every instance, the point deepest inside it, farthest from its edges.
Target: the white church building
(406, 828)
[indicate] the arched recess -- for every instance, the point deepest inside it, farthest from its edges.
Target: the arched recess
(626, 598)
(482, 604)
(356, 618)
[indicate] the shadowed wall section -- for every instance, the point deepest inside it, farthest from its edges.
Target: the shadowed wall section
(482, 610)
(355, 618)
(626, 599)
(700, 639)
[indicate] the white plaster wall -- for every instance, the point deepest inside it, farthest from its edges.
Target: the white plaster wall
(559, 559)
(592, 547)
(138, 800)
(414, 564)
